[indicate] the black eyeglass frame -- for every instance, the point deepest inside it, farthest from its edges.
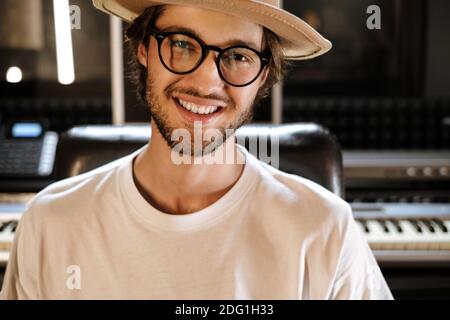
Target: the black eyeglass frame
(161, 36)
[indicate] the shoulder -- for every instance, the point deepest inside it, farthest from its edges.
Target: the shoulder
(301, 193)
(298, 208)
(76, 195)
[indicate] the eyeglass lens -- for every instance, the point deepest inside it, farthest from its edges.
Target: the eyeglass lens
(182, 54)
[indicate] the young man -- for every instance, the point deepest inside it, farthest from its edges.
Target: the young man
(149, 227)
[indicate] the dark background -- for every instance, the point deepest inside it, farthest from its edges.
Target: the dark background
(407, 58)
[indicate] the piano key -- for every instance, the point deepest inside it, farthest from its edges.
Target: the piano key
(394, 237)
(391, 234)
(430, 240)
(440, 224)
(4, 225)
(429, 225)
(8, 225)
(384, 225)
(442, 238)
(411, 236)
(397, 225)
(363, 225)
(7, 236)
(445, 244)
(416, 225)
(377, 237)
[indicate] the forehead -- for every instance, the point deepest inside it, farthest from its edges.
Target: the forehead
(215, 28)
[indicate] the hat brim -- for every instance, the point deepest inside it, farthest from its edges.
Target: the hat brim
(299, 40)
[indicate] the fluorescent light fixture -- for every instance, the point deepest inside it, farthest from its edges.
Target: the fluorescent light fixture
(117, 82)
(14, 75)
(64, 49)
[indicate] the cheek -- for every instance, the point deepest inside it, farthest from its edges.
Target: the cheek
(244, 97)
(159, 77)
(156, 73)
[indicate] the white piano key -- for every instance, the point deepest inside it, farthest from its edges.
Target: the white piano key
(438, 237)
(4, 257)
(361, 227)
(445, 242)
(377, 238)
(431, 238)
(395, 237)
(411, 238)
(7, 237)
(388, 232)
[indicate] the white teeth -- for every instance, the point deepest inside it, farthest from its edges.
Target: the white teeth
(197, 109)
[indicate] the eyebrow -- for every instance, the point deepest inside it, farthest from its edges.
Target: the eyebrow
(229, 43)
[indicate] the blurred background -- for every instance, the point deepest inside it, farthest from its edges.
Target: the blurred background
(402, 67)
(383, 93)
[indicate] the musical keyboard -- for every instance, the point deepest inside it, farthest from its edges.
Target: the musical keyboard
(405, 232)
(7, 231)
(12, 206)
(409, 234)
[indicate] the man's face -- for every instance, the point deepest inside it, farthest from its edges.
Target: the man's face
(168, 92)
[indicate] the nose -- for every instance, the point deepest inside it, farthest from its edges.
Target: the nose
(206, 77)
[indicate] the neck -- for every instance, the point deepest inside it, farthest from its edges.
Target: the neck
(182, 188)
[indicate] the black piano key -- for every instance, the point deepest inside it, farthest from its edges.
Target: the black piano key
(365, 226)
(384, 225)
(416, 225)
(397, 225)
(4, 226)
(441, 225)
(429, 225)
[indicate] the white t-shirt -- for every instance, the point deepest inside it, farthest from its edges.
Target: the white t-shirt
(272, 236)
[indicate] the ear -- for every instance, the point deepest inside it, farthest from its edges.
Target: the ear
(142, 54)
(264, 76)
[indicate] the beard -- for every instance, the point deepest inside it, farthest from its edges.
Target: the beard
(160, 116)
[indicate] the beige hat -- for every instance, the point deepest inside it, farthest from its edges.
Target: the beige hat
(299, 40)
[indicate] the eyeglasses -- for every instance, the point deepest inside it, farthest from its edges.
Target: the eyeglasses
(182, 53)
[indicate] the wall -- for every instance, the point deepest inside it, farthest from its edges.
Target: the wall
(437, 82)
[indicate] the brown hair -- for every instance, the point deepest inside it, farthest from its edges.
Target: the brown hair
(137, 33)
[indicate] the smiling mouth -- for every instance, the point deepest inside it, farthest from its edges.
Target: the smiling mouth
(197, 109)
